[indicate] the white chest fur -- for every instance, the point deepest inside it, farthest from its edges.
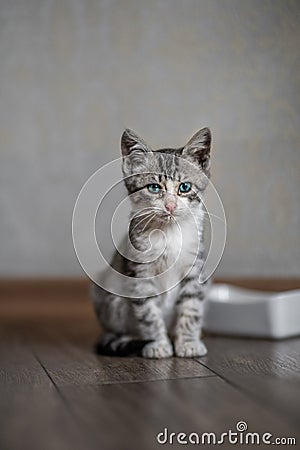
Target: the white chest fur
(175, 249)
(177, 243)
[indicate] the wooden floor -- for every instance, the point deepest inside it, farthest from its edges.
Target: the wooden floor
(55, 393)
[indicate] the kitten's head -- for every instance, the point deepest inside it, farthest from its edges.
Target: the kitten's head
(166, 182)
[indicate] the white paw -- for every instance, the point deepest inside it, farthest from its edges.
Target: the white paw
(158, 350)
(190, 349)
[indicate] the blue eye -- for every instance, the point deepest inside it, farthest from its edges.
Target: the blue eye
(154, 188)
(185, 187)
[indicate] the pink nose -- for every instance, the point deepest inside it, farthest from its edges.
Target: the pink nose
(171, 207)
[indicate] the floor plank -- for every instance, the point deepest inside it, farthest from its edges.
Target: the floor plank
(268, 371)
(73, 363)
(18, 366)
(33, 414)
(37, 419)
(55, 393)
(129, 416)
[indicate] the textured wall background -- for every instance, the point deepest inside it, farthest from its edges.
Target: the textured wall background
(74, 73)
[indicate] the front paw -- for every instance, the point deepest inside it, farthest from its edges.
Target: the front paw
(158, 350)
(190, 349)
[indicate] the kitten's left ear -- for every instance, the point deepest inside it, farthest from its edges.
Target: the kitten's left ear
(198, 148)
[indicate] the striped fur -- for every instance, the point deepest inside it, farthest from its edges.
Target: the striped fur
(159, 325)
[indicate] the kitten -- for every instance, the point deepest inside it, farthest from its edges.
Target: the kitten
(165, 253)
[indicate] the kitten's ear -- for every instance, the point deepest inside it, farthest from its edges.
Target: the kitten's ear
(198, 148)
(130, 142)
(135, 153)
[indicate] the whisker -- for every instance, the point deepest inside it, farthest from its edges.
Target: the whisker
(211, 214)
(145, 211)
(203, 213)
(139, 222)
(151, 218)
(137, 216)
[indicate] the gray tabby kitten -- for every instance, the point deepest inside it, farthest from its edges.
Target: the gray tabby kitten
(165, 253)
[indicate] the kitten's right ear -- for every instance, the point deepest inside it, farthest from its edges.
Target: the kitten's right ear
(135, 153)
(130, 141)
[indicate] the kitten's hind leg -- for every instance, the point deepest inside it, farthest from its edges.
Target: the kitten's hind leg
(111, 344)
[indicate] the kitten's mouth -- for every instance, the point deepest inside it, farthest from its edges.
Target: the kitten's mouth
(164, 217)
(155, 218)
(168, 217)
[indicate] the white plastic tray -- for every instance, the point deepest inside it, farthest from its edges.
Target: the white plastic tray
(235, 311)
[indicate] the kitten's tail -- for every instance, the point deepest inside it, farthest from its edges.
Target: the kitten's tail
(111, 344)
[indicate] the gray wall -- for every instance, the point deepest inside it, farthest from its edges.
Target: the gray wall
(74, 73)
